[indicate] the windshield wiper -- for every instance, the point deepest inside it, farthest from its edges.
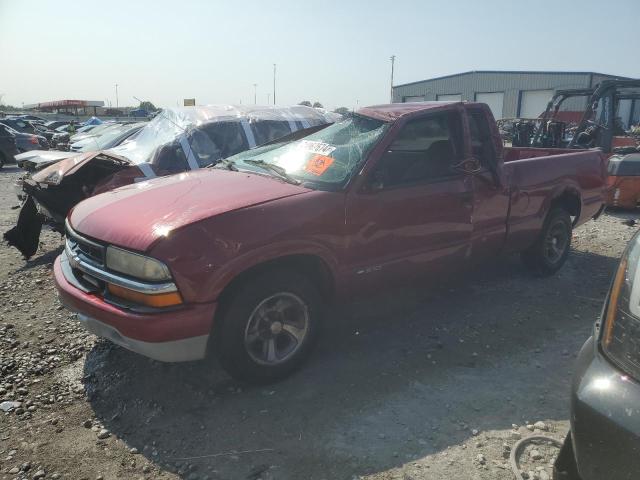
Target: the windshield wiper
(228, 164)
(277, 169)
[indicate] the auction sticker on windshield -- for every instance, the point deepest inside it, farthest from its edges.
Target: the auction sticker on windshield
(318, 164)
(316, 147)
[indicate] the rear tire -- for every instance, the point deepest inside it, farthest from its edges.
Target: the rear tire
(548, 254)
(268, 327)
(2, 160)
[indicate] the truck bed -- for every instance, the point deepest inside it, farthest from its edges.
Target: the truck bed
(539, 176)
(522, 153)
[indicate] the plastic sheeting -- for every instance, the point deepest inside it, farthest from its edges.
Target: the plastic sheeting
(180, 139)
(108, 138)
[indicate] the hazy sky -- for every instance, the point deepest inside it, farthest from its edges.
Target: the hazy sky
(335, 52)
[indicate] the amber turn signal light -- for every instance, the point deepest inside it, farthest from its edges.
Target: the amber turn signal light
(157, 300)
(612, 308)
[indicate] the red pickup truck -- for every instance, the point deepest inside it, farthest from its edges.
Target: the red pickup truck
(238, 260)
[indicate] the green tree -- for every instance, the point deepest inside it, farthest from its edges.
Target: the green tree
(306, 103)
(317, 105)
(8, 108)
(342, 110)
(148, 106)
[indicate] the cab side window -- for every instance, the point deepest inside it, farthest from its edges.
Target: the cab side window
(265, 131)
(482, 146)
(169, 159)
(425, 150)
(224, 139)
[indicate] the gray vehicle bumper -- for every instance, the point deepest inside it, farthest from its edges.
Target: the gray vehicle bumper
(605, 422)
(184, 350)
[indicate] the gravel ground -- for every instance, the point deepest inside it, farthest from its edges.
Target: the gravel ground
(425, 382)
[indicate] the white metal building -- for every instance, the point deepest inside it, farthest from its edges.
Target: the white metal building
(510, 93)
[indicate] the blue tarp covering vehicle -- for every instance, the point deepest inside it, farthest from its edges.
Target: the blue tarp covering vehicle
(93, 121)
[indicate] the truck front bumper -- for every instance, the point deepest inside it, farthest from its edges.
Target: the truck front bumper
(174, 335)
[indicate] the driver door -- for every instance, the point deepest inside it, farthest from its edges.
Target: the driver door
(414, 215)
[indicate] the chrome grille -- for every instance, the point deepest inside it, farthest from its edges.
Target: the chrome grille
(87, 250)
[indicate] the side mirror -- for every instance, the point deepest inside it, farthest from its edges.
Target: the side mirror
(470, 166)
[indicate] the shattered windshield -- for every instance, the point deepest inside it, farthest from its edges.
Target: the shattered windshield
(329, 156)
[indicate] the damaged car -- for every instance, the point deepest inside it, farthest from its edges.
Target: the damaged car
(175, 141)
(238, 261)
(114, 136)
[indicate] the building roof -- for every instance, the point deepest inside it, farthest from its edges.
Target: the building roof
(67, 103)
(513, 72)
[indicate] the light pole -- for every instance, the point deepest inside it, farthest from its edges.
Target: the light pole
(393, 59)
(274, 83)
(116, 95)
(255, 93)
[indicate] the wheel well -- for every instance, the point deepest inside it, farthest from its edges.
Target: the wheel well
(311, 266)
(569, 201)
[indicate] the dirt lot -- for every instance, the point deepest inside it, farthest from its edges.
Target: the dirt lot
(416, 383)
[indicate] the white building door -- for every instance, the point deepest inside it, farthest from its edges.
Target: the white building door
(624, 111)
(534, 102)
(495, 100)
(413, 99)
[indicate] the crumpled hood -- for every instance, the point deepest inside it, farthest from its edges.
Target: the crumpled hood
(64, 167)
(71, 165)
(39, 159)
(39, 156)
(136, 215)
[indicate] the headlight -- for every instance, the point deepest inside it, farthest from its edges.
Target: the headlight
(136, 265)
(621, 329)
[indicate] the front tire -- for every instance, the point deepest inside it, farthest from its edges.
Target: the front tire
(268, 327)
(548, 254)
